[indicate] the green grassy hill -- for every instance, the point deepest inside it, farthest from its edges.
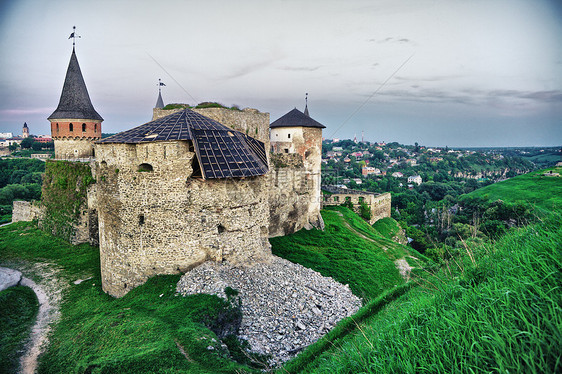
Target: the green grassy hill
(495, 307)
(350, 251)
(542, 191)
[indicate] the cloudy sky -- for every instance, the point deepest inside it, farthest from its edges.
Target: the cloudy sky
(436, 72)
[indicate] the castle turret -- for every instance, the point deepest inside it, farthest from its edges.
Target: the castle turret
(25, 131)
(296, 132)
(75, 124)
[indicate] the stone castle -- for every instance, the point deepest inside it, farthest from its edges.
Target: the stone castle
(192, 185)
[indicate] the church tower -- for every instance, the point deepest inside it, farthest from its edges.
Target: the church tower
(75, 124)
(25, 131)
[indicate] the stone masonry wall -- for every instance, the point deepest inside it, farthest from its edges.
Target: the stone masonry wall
(379, 204)
(163, 221)
(26, 211)
(69, 149)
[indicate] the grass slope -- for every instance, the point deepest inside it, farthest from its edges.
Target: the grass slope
(348, 250)
(150, 330)
(500, 313)
(19, 307)
(544, 192)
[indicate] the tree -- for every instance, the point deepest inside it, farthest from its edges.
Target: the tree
(12, 147)
(37, 146)
(27, 143)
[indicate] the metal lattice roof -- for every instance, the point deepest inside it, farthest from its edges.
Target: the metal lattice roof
(221, 151)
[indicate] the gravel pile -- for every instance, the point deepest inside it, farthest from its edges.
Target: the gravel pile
(285, 306)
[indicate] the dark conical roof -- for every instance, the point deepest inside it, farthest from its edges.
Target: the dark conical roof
(296, 118)
(25, 125)
(221, 151)
(74, 99)
(159, 102)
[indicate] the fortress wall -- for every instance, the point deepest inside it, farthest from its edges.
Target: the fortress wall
(164, 222)
(26, 211)
(68, 149)
(378, 204)
(289, 195)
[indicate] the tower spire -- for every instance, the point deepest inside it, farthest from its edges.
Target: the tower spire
(159, 101)
(306, 105)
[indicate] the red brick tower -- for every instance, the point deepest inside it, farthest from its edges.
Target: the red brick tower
(75, 124)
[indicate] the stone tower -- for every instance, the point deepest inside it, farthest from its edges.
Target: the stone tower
(25, 131)
(296, 132)
(75, 124)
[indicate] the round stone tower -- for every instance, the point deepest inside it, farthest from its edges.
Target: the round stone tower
(297, 132)
(75, 124)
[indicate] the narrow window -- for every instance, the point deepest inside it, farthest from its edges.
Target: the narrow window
(286, 150)
(83, 127)
(95, 127)
(141, 219)
(70, 127)
(57, 127)
(289, 136)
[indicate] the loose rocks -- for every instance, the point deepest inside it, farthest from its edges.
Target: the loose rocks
(285, 306)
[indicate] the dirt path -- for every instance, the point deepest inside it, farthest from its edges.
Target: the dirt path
(48, 290)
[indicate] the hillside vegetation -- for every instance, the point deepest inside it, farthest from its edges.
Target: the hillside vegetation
(542, 191)
(499, 310)
(493, 306)
(350, 251)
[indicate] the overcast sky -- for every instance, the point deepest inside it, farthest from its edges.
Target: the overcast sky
(436, 72)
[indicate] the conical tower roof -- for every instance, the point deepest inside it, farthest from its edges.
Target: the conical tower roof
(74, 99)
(159, 102)
(296, 118)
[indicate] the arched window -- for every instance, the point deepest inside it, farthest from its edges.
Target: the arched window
(57, 127)
(83, 127)
(95, 127)
(145, 167)
(70, 127)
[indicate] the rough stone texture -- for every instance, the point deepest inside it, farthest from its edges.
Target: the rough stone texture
(378, 203)
(295, 192)
(285, 306)
(163, 221)
(71, 149)
(26, 211)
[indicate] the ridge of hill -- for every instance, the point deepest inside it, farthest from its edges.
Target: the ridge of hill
(545, 192)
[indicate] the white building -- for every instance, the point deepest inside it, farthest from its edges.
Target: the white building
(415, 179)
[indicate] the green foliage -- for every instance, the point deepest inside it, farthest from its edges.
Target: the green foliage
(365, 211)
(348, 250)
(64, 196)
(150, 330)
(17, 316)
(543, 192)
(498, 310)
(20, 179)
(176, 106)
(387, 227)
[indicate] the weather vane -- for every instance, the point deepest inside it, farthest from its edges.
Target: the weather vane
(74, 36)
(160, 84)
(306, 99)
